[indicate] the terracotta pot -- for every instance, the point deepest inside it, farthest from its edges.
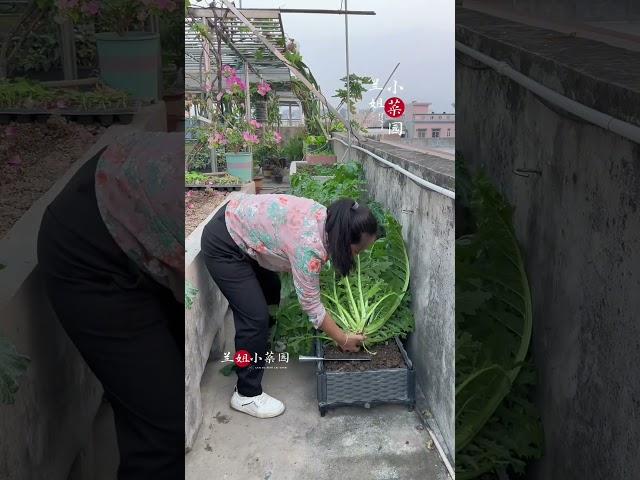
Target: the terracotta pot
(258, 182)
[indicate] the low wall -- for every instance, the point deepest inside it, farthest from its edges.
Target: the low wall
(440, 142)
(208, 330)
(427, 220)
(51, 431)
(577, 221)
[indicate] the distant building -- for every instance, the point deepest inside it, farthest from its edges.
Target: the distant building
(418, 121)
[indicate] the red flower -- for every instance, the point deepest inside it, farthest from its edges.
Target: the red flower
(314, 265)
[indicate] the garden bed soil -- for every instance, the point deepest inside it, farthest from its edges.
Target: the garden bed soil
(386, 356)
(33, 156)
(198, 204)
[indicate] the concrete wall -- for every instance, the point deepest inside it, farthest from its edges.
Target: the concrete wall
(56, 429)
(208, 328)
(578, 225)
(427, 220)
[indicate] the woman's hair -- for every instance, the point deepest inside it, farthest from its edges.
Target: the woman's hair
(346, 222)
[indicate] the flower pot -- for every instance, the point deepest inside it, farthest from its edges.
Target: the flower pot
(321, 159)
(240, 164)
(365, 388)
(130, 62)
(267, 172)
(258, 181)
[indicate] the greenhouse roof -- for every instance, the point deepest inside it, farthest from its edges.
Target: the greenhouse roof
(237, 45)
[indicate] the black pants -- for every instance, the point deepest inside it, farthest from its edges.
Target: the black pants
(249, 288)
(128, 328)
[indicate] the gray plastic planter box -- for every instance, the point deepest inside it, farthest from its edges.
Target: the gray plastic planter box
(371, 387)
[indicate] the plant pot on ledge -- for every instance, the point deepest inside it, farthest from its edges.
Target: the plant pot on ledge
(258, 181)
(240, 164)
(130, 62)
(277, 175)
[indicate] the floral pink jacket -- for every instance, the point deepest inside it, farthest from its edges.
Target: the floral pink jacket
(138, 189)
(284, 233)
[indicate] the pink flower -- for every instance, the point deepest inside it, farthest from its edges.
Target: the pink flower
(250, 137)
(191, 205)
(255, 123)
(217, 139)
(188, 193)
(234, 81)
(91, 8)
(277, 137)
(228, 71)
(264, 88)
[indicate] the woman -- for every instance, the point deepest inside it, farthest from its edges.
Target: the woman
(254, 236)
(111, 252)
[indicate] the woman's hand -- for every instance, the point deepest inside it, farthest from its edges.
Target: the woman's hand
(352, 342)
(349, 342)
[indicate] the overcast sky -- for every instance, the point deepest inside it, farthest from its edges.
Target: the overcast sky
(417, 33)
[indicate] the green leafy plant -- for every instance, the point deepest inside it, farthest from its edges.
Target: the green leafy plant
(194, 178)
(496, 423)
(293, 150)
(12, 367)
(317, 170)
(347, 182)
(356, 89)
(365, 300)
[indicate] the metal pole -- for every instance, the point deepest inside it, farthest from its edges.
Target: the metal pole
(346, 43)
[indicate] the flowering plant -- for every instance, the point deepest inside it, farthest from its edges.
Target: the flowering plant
(120, 16)
(230, 129)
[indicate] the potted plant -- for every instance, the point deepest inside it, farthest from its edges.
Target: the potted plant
(317, 150)
(128, 56)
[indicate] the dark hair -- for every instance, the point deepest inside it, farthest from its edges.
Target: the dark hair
(346, 222)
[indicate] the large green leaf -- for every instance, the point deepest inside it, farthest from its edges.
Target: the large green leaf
(12, 366)
(496, 425)
(367, 299)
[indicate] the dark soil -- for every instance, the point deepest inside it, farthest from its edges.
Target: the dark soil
(386, 356)
(32, 157)
(198, 204)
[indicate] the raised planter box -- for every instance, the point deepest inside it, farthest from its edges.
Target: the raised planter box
(321, 159)
(365, 388)
(293, 169)
(106, 117)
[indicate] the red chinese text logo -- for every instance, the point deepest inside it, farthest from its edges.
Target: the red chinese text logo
(242, 358)
(394, 107)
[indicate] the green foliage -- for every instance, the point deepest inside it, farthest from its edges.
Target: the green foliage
(496, 424)
(12, 367)
(365, 300)
(347, 182)
(197, 178)
(294, 149)
(374, 298)
(294, 332)
(356, 90)
(30, 95)
(193, 178)
(317, 170)
(190, 293)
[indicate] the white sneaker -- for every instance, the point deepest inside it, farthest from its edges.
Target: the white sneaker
(261, 406)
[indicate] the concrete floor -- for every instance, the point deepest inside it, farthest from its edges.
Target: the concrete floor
(383, 443)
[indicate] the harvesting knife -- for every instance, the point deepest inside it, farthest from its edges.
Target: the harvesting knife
(304, 358)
